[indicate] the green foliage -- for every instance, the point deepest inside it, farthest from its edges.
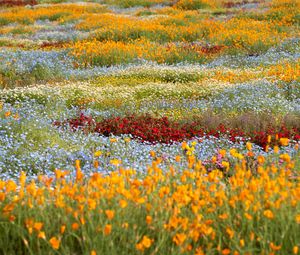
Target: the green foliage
(191, 4)
(11, 78)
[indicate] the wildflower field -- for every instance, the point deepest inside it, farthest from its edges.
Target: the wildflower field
(150, 127)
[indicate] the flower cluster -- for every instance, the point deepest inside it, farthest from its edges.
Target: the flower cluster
(191, 211)
(163, 130)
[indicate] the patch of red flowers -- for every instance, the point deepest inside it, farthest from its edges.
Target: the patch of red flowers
(18, 2)
(153, 130)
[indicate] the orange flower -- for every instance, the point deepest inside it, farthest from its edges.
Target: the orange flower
(230, 232)
(37, 226)
(148, 219)
(96, 163)
(284, 141)
(276, 149)
(285, 157)
(222, 152)
(223, 216)
(248, 216)
(177, 158)
(77, 164)
(179, 238)
(260, 159)
(267, 148)
(93, 252)
(275, 247)
(269, 138)
(7, 114)
(92, 204)
(252, 235)
(54, 243)
(75, 226)
(152, 154)
(146, 242)
(139, 247)
(110, 214)
(214, 159)
(123, 203)
(249, 146)
(42, 235)
(268, 214)
(107, 229)
(226, 252)
(242, 242)
(295, 249)
(62, 229)
(250, 154)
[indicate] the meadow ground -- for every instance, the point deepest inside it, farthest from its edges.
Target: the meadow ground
(150, 127)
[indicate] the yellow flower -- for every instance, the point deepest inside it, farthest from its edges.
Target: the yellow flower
(115, 162)
(127, 139)
(285, 157)
(222, 152)
(295, 249)
(125, 225)
(242, 242)
(54, 243)
(42, 235)
(276, 149)
(269, 138)
(98, 153)
(93, 252)
(284, 141)
(226, 165)
(249, 146)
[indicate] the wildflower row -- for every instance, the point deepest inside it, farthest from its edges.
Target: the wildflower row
(162, 130)
(181, 211)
